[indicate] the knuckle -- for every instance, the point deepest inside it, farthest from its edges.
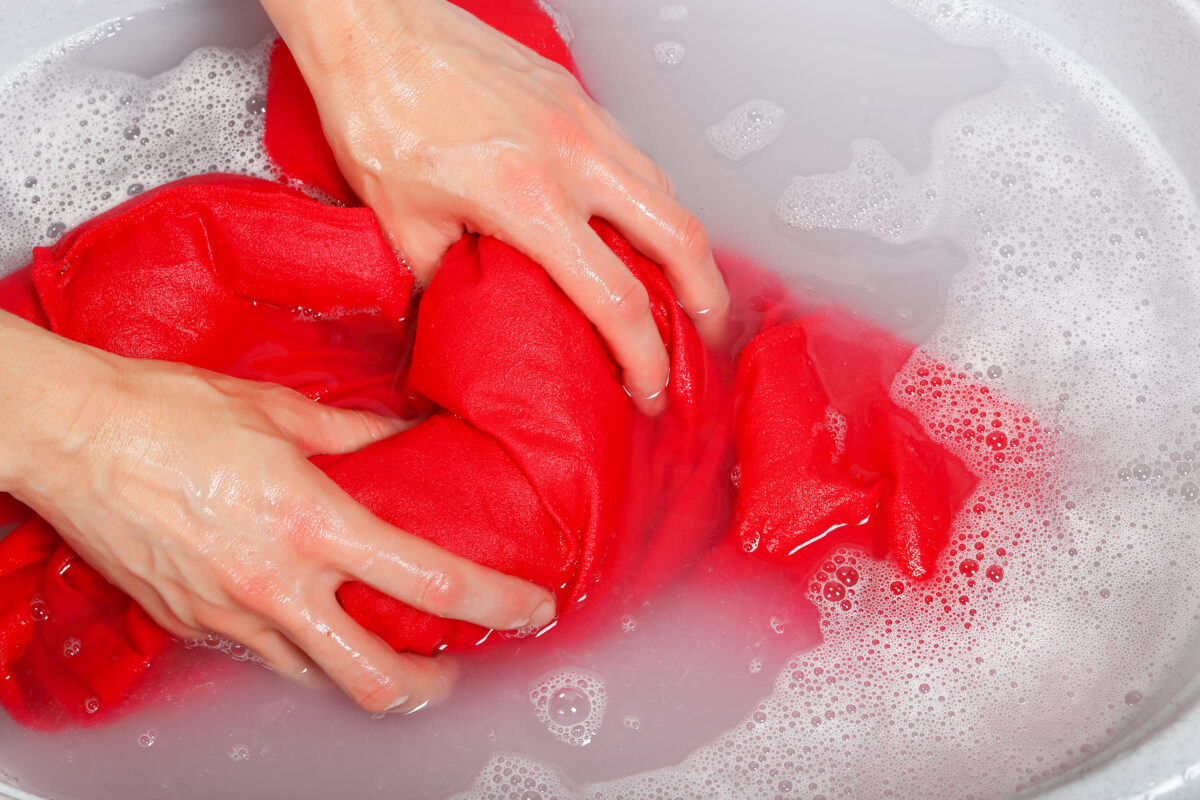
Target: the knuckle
(693, 238)
(630, 300)
(440, 593)
(375, 692)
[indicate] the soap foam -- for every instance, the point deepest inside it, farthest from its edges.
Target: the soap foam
(1065, 604)
(76, 141)
(746, 130)
(1068, 597)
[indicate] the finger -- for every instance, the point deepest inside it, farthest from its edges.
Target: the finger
(324, 430)
(434, 580)
(612, 140)
(666, 232)
(279, 655)
(367, 670)
(608, 294)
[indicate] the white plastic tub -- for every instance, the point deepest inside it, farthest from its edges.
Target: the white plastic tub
(1148, 51)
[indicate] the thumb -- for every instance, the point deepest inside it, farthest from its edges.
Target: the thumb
(324, 430)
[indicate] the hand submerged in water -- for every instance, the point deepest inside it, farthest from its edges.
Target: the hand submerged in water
(442, 126)
(191, 491)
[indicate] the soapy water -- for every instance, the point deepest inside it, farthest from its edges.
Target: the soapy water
(1013, 214)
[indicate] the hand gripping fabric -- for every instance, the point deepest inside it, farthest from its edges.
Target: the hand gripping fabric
(532, 459)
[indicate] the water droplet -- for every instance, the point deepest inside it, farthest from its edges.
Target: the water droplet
(91, 705)
(148, 738)
(71, 647)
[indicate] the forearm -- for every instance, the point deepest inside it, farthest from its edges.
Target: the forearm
(44, 383)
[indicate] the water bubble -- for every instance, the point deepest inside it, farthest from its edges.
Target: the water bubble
(994, 372)
(996, 440)
(39, 611)
(633, 723)
(239, 752)
(1133, 698)
(968, 567)
(1189, 491)
(669, 53)
(628, 624)
(131, 132)
(256, 104)
(531, 795)
(569, 706)
(148, 738)
(923, 688)
(847, 575)
(135, 189)
(91, 705)
(71, 647)
(834, 591)
(56, 230)
(995, 573)
(1141, 472)
(30, 182)
(897, 587)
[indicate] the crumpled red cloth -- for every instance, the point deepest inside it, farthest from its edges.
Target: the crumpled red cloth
(532, 460)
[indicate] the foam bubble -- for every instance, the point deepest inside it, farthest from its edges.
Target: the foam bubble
(672, 15)
(76, 140)
(668, 53)
(571, 704)
(746, 130)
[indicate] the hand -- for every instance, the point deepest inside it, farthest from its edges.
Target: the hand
(442, 126)
(191, 491)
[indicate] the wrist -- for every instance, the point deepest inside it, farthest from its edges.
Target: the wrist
(47, 385)
(324, 34)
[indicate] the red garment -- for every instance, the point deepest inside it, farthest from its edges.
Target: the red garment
(533, 460)
(821, 446)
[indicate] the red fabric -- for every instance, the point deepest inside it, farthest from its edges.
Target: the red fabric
(821, 446)
(532, 461)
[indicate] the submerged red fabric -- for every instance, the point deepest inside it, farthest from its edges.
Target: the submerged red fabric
(533, 460)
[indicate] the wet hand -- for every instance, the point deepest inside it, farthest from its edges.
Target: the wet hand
(443, 126)
(191, 491)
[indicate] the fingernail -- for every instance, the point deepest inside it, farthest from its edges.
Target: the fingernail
(396, 705)
(543, 615)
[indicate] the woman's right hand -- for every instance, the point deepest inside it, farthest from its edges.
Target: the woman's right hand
(192, 492)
